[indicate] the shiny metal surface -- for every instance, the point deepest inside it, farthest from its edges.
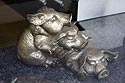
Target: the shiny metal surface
(51, 36)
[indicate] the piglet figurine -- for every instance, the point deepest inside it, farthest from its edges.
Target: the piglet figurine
(52, 37)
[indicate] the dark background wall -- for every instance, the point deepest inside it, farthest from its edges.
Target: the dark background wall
(30, 6)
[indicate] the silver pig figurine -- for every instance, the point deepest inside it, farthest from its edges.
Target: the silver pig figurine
(51, 36)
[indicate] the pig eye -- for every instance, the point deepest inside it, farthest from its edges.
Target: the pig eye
(70, 38)
(54, 18)
(41, 16)
(92, 62)
(103, 59)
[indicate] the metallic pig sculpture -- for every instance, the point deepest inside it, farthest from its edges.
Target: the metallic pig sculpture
(51, 36)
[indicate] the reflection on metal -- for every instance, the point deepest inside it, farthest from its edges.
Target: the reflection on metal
(51, 36)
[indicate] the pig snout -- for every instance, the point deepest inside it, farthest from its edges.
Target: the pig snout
(101, 71)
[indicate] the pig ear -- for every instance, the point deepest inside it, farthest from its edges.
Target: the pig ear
(29, 18)
(110, 56)
(70, 17)
(38, 16)
(74, 22)
(82, 61)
